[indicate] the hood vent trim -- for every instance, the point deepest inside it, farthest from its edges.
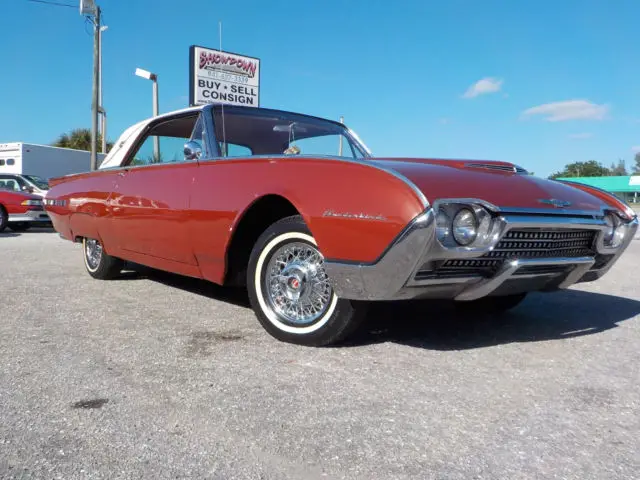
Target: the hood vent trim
(501, 168)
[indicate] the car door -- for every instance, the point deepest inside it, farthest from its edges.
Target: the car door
(150, 201)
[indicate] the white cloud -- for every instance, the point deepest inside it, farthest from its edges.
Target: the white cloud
(580, 136)
(569, 110)
(635, 149)
(486, 85)
(444, 121)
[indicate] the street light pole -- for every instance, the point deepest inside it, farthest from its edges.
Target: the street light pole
(154, 78)
(156, 140)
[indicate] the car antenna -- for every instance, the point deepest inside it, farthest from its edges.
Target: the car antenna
(224, 133)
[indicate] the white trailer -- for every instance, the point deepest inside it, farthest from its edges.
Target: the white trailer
(43, 161)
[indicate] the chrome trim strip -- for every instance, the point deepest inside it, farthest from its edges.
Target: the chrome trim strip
(556, 212)
(488, 205)
(485, 287)
(447, 281)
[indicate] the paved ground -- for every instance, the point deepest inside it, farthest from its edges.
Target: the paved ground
(155, 376)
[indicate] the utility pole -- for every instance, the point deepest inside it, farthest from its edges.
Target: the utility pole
(96, 80)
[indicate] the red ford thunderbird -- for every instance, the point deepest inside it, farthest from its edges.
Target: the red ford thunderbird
(297, 209)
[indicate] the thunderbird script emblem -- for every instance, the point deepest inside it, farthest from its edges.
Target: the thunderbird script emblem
(554, 202)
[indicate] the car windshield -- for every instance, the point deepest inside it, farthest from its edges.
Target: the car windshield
(244, 132)
(37, 181)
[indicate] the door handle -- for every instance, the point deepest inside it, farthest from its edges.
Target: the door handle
(121, 174)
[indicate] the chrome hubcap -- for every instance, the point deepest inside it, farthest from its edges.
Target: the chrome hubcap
(296, 284)
(93, 251)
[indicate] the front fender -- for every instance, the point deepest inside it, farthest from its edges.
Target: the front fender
(353, 210)
(607, 197)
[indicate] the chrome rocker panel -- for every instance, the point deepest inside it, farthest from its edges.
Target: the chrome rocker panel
(392, 277)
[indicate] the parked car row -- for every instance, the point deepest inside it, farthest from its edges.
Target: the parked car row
(21, 202)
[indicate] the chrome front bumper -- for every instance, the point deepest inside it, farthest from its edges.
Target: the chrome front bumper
(32, 216)
(395, 275)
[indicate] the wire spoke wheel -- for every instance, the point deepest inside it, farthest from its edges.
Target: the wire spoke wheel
(93, 252)
(296, 285)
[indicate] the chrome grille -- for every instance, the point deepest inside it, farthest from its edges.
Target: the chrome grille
(544, 244)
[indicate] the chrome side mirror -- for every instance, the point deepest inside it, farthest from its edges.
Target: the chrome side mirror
(192, 150)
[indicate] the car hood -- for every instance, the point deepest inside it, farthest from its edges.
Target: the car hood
(495, 182)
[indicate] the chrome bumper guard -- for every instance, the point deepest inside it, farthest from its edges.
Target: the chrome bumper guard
(393, 276)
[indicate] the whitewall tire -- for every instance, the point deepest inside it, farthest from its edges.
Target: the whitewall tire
(290, 291)
(98, 263)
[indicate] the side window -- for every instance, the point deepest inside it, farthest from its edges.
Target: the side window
(234, 150)
(165, 142)
(11, 161)
(1, 162)
(11, 184)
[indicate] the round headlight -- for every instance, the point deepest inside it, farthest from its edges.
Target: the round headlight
(443, 226)
(465, 227)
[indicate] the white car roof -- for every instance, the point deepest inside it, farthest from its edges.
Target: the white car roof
(116, 155)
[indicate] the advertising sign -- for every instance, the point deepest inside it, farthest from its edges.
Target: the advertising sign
(223, 77)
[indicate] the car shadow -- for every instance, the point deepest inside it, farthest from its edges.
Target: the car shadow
(235, 296)
(10, 233)
(40, 229)
(437, 325)
(540, 317)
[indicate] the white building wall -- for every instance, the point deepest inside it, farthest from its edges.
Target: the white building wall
(43, 160)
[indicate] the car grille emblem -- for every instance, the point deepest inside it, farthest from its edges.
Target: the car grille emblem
(554, 202)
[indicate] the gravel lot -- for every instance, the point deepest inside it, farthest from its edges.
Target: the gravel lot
(157, 376)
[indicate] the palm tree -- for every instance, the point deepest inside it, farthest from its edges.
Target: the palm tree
(79, 139)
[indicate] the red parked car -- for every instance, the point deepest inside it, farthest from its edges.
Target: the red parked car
(20, 211)
(297, 209)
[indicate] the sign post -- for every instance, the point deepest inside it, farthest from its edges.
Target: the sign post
(217, 76)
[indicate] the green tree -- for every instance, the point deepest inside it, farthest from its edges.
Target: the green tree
(636, 167)
(79, 139)
(592, 168)
(620, 169)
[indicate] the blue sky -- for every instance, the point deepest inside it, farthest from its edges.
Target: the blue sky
(539, 83)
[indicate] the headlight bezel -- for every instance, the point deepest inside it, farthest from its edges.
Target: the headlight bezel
(614, 236)
(488, 224)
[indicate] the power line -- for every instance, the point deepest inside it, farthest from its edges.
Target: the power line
(57, 4)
